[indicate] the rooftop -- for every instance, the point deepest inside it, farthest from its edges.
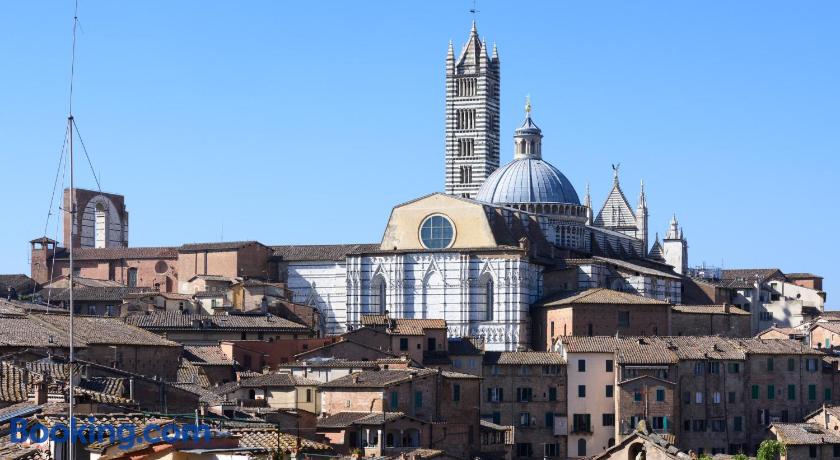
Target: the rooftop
(599, 296)
(403, 326)
(523, 358)
(322, 252)
(347, 419)
(710, 310)
(161, 321)
(377, 379)
(794, 434)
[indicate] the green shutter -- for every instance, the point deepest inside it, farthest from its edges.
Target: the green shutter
(812, 392)
(792, 392)
(755, 392)
(771, 391)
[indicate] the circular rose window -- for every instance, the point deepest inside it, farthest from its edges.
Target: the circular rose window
(437, 232)
(161, 267)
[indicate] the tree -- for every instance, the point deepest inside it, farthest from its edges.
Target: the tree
(770, 449)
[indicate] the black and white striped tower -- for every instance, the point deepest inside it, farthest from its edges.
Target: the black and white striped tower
(472, 116)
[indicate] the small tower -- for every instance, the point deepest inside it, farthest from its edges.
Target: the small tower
(587, 201)
(675, 248)
(527, 139)
(472, 116)
(642, 218)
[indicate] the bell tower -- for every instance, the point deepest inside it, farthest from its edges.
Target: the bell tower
(472, 116)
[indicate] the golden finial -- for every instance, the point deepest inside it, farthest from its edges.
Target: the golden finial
(528, 104)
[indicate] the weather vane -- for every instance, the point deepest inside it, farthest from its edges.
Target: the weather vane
(474, 11)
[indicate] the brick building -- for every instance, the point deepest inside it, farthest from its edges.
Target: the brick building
(448, 401)
(598, 311)
(527, 390)
(725, 320)
(196, 329)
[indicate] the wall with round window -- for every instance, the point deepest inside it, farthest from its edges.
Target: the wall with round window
(437, 232)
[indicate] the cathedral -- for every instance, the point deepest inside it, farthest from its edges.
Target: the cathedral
(482, 253)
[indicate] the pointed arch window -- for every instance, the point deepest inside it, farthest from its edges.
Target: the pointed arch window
(488, 300)
(382, 293)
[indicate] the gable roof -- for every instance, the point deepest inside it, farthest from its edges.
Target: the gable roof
(798, 434)
(616, 211)
(599, 296)
(277, 380)
(207, 355)
(377, 379)
(595, 344)
(172, 320)
(94, 330)
(402, 326)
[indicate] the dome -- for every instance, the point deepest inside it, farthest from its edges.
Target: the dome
(527, 180)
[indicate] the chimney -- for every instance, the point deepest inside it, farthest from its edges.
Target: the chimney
(726, 308)
(355, 378)
(41, 392)
(826, 417)
(131, 388)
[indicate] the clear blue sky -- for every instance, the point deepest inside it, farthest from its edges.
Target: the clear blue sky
(306, 122)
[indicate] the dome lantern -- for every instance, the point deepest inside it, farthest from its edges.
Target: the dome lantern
(527, 139)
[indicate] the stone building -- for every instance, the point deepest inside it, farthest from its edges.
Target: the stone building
(527, 390)
(725, 320)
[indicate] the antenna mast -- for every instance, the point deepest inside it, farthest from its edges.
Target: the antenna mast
(70, 123)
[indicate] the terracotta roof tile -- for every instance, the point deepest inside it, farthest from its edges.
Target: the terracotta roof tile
(347, 419)
(322, 252)
(277, 380)
(596, 344)
(172, 320)
(120, 253)
(403, 326)
(190, 373)
(599, 296)
(207, 354)
(108, 331)
(795, 434)
(527, 358)
(377, 379)
(270, 439)
(710, 310)
(218, 246)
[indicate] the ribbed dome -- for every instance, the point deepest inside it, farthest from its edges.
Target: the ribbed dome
(527, 180)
